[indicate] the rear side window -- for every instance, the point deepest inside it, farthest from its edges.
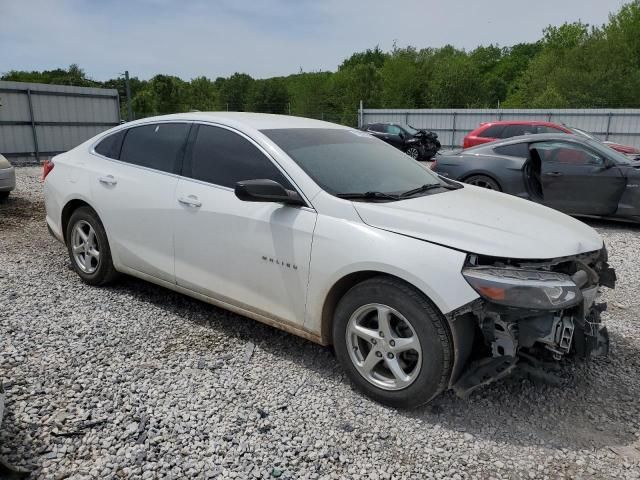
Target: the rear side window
(517, 130)
(376, 127)
(110, 146)
(222, 157)
(158, 146)
(494, 131)
(513, 150)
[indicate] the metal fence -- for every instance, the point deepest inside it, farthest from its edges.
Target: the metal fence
(38, 120)
(451, 125)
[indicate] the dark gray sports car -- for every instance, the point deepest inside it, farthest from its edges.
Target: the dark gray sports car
(570, 173)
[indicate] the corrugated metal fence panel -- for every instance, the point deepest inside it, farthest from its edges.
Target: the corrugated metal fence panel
(451, 125)
(63, 117)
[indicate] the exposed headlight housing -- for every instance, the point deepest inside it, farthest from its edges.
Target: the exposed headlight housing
(514, 287)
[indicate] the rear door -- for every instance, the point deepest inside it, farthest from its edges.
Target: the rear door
(578, 180)
(133, 186)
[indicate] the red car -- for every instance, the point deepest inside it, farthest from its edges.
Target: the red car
(490, 131)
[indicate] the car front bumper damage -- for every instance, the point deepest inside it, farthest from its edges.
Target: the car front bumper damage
(494, 339)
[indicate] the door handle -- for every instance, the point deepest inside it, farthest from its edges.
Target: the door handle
(553, 174)
(190, 201)
(107, 180)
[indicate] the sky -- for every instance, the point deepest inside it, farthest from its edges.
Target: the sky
(263, 38)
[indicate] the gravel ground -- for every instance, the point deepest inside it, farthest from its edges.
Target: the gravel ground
(135, 381)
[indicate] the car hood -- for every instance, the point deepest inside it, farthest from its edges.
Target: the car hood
(484, 222)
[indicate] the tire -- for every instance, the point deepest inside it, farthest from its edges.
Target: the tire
(413, 152)
(4, 196)
(426, 372)
(483, 181)
(95, 269)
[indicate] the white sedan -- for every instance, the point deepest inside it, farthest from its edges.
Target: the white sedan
(420, 283)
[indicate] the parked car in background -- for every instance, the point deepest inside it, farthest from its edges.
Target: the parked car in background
(491, 131)
(7, 178)
(420, 283)
(629, 151)
(418, 144)
(571, 173)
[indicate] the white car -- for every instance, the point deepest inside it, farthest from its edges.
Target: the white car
(7, 178)
(420, 283)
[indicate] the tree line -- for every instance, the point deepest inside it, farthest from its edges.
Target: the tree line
(573, 65)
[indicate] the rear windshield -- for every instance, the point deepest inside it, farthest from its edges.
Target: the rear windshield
(351, 161)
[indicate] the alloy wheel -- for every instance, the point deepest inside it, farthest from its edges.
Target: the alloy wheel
(85, 247)
(413, 152)
(383, 346)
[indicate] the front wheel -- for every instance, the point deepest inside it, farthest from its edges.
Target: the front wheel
(393, 342)
(413, 152)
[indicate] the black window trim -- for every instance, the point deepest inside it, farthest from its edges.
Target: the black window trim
(179, 162)
(188, 152)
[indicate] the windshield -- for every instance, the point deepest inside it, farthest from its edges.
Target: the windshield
(411, 130)
(350, 161)
(584, 134)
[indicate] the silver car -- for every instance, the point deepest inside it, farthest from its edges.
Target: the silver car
(7, 178)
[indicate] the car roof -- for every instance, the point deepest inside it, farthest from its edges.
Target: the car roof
(522, 122)
(257, 121)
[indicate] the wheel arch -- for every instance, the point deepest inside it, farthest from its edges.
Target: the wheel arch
(342, 286)
(68, 209)
(484, 173)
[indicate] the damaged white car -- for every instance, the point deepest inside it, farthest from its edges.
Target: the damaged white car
(420, 283)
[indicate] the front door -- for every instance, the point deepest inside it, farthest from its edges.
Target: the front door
(250, 254)
(578, 180)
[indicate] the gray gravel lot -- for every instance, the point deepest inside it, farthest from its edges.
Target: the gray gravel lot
(135, 381)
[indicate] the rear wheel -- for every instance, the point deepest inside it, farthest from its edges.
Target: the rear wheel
(4, 196)
(89, 248)
(484, 182)
(393, 342)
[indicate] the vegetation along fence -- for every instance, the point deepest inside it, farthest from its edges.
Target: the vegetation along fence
(39, 120)
(451, 125)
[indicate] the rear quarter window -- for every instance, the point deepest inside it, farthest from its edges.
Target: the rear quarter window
(110, 146)
(513, 150)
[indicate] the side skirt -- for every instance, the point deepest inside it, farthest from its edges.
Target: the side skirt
(271, 321)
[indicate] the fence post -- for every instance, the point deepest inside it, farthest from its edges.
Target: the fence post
(453, 130)
(608, 126)
(33, 125)
(361, 116)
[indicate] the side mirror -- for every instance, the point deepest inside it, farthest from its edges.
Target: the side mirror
(266, 191)
(401, 135)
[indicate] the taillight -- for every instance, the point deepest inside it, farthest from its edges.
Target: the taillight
(47, 166)
(433, 164)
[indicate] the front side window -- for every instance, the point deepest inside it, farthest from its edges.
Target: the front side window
(568, 153)
(222, 157)
(349, 161)
(110, 146)
(158, 146)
